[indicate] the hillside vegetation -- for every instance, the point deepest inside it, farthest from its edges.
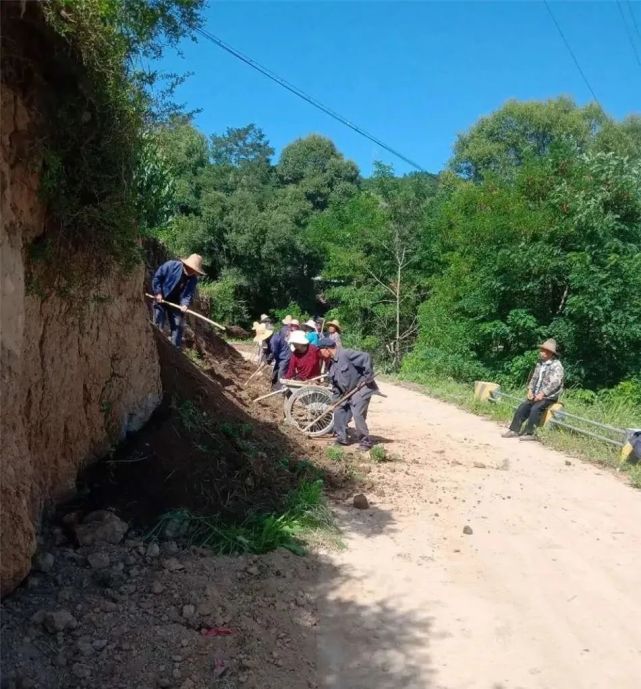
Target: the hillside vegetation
(532, 231)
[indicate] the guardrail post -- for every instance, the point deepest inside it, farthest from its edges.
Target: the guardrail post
(551, 412)
(484, 391)
(627, 449)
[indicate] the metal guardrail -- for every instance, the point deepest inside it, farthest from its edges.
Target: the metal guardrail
(558, 418)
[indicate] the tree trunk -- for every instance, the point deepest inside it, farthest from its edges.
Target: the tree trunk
(397, 348)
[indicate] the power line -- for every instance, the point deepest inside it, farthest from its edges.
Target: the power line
(304, 96)
(569, 47)
(628, 32)
(634, 19)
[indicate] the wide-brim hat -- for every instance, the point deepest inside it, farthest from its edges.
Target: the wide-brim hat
(262, 333)
(287, 320)
(336, 324)
(295, 322)
(310, 324)
(297, 337)
(256, 325)
(195, 262)
(550, 346)
(264, 317)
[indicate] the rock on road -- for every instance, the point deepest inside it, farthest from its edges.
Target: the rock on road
(543, 594)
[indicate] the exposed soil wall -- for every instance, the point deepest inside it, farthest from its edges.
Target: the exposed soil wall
(77, 372)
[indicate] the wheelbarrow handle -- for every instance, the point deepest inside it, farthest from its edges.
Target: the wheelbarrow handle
(338, 403)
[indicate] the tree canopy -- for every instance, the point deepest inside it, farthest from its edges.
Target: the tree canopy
(533, 231)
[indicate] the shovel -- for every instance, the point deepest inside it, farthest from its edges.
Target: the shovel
(337, 404)
(189, 311)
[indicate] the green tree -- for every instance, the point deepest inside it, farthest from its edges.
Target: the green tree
(316, 167)
(554, 252)
(373, 259)
(519, 131)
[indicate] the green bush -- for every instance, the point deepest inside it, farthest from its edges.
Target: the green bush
(102, 177)
(226, 303)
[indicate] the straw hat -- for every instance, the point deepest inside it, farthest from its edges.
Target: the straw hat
(336, 324)
(550, 346)
(195, 262)
(297, 337)
(295, 322)
(264, 317)
(256, 325)
(287, 320)
(311, 324)
(262, 333)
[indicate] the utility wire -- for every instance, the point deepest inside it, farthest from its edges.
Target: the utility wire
(304, 96)
(569, 47)
(629, 32)
(634, 19)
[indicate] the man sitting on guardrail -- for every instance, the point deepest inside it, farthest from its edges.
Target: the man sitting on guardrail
(544, 389)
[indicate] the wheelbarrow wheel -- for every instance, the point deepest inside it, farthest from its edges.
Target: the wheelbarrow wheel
(305, 405)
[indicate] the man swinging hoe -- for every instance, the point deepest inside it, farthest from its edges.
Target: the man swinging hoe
(175, 282)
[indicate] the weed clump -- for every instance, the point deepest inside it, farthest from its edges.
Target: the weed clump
(379, 454)
(336, 454)
(305, 511)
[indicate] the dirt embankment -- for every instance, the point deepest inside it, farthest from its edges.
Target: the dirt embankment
(207, 448)
(104, 610)
(77, 373)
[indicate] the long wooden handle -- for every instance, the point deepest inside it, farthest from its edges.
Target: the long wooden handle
(285, 388)
(295, 382)
(271, 394)
(255, 373)
(337, 404)
(189, 311)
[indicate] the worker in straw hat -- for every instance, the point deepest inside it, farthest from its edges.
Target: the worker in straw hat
(545, 388)
(334, 332)
(263, 334)
(175, 282)
(305, 362)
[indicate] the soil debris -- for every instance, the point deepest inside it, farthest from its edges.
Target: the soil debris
(361, 502)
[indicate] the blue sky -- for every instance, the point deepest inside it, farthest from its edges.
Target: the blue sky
(414, 74)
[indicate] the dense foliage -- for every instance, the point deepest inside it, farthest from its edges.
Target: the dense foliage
(543, 240)
(248, 217)
(534, 231)
(102, 177)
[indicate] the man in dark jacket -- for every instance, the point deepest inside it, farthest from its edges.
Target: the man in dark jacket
(175, 282)
(279, 351)
(347, 370)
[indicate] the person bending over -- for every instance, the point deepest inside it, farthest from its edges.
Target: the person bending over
(304, 362)
(349, 369)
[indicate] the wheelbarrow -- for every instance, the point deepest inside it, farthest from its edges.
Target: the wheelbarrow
(304, 404)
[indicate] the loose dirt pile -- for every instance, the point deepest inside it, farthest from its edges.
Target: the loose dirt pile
(105, 609)
(138, 615)
(207, 449)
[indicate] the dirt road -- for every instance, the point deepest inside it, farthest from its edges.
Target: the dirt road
(544, 593)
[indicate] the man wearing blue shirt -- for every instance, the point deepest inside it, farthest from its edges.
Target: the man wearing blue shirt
(175, 282)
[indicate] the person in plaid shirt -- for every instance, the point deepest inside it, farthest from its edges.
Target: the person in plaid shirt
(544, 389)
